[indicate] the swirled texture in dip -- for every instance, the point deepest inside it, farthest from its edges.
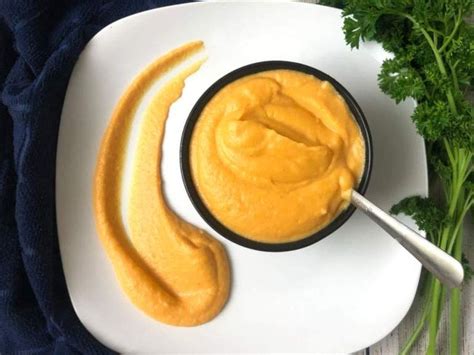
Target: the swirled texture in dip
(274, 155)
(171, 270)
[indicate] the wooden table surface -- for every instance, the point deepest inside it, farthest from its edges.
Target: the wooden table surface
(393, 342)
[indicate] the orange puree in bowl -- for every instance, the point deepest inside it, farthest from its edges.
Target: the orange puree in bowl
(168, 268)
(274, 155)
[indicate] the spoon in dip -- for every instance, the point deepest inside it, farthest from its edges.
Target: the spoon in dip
(260, 154)
(442, 265)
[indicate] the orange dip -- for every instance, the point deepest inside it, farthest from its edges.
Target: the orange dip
(168, 268)
(274, 155)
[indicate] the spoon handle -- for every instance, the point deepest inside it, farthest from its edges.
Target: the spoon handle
(442, 265)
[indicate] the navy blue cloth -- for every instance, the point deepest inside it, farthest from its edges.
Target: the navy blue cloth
(40, 41)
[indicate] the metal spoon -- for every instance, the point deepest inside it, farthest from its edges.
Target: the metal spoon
(442, 265)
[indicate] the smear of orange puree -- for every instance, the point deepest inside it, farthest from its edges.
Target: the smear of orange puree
(171, 270)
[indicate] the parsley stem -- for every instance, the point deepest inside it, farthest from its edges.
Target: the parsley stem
(448, 151)
(453, 74)
(454, 319)
(438, 59)
(461, 170)
(453, 33)
(435, 33)
(434, 317)
(437, 55)
(458, 228)
(455, 303)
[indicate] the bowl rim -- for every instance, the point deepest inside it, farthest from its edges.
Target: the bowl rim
(184, 155)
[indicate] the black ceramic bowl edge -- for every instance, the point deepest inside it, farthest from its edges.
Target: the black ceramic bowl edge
(186, 167)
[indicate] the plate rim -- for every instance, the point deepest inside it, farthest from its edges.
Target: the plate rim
(92, 41)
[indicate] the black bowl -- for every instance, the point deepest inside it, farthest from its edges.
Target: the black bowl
(186, 168)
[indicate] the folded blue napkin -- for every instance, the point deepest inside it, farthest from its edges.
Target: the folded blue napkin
(40, 40)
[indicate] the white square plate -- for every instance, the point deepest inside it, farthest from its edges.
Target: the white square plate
(339, 295)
